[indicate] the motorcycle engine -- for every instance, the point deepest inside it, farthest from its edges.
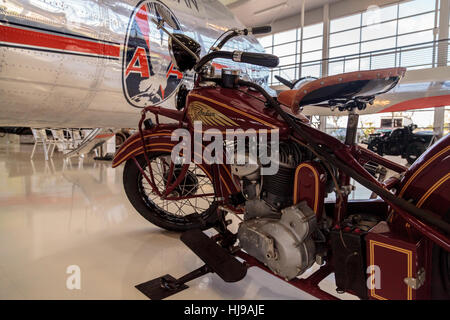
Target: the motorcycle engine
(274, 231)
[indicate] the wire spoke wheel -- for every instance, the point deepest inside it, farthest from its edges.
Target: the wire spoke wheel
(177, 215)
(194, 182)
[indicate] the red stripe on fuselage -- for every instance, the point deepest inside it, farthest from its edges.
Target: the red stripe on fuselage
(52, 41)
(219, 66)
(103, 136)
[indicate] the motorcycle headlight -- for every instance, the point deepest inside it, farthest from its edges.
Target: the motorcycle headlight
(182, 60)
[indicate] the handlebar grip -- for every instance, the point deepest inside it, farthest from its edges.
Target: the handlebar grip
(260, 59)
(261, 30)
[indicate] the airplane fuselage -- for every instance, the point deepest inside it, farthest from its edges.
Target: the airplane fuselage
(96, 63)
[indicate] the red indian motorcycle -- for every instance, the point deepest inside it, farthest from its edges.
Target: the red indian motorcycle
(392, 247)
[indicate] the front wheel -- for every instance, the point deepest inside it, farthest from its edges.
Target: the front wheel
(173, 215)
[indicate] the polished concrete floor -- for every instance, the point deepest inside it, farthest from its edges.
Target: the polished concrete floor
(55, 214)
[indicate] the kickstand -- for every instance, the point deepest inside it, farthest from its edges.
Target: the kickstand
(165, 286)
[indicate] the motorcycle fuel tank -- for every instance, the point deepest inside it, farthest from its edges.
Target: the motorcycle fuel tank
(223, 108)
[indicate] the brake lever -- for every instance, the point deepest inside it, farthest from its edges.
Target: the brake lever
(233, 33)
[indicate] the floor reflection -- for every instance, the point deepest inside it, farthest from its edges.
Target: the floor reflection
(58, 213)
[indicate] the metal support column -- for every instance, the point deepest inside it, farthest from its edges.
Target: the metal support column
(443, 33)
(302, 25)
(442, 57)
(326, 39)
(439, 118)
(325, 50)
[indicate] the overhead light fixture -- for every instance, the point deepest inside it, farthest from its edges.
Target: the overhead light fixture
(263, 11)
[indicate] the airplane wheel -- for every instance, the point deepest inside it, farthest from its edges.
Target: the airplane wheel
(180, 215)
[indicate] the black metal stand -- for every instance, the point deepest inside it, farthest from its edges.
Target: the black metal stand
(217, 260)
(197, 273)
(165, 286)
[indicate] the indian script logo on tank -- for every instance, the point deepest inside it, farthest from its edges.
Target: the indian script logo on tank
(149, 76)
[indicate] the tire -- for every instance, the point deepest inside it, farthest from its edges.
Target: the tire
(120, 139)
(440, 274)
(135, 189)
(414, 151)
(375, 146)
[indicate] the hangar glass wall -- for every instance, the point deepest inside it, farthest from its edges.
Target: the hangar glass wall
(293, 52)
(396, 35)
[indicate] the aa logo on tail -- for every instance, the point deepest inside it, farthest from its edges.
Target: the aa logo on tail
(148, 75)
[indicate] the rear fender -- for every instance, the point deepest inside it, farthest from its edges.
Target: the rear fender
(427, 181)
(159, 140)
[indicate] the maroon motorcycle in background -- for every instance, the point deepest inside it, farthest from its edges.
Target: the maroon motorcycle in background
(392, 247)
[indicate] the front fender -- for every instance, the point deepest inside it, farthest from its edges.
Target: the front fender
(157, 139)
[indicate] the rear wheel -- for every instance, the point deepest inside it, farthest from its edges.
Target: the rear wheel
(414, 151)
(173, 215)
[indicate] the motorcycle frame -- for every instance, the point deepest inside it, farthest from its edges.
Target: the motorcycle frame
(354, 157)
(224, 184)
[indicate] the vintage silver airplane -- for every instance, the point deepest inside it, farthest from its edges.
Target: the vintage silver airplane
(89, 63)
(96, 63)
